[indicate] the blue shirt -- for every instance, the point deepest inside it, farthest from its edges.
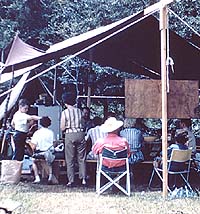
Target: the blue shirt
(134, 138)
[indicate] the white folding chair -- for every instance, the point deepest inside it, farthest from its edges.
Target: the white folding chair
(179, 164)
(113, 176)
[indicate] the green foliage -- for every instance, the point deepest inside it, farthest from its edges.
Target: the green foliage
(189, 11)
(54, 21)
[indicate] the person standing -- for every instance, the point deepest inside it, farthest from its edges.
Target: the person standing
(75, 145)
(86, 121)
(21, 122)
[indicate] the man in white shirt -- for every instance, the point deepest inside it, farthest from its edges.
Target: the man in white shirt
(21, 122)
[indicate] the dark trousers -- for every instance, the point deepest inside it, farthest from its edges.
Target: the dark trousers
(19, 141)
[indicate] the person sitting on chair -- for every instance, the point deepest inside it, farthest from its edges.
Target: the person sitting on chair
(112, 141)
(135, 139)
(43, 140)
(185, 125)
(93, 135)
(180, 140)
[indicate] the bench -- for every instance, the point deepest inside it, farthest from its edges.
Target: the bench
(59, 168)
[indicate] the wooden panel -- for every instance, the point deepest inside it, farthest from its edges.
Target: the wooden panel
(183, 99)
(143, 98)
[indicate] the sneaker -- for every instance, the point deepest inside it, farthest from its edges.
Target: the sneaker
(70, 185)
(84, 182)
(53, 180)
(36, 181)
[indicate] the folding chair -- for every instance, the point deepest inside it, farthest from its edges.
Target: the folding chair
(181, 160)
(113, 176)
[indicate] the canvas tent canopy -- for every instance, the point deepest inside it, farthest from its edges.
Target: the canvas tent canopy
(126, 45)
(130, 45)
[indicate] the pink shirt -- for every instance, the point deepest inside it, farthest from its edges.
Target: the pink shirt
(113, 142)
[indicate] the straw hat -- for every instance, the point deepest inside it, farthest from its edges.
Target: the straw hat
(111, 124)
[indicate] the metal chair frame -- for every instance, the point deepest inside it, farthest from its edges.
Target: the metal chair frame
(178, 156)
(113, 155)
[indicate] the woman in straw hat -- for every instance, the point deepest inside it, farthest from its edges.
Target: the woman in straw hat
(112, 141)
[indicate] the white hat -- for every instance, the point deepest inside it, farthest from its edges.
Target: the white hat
(111, 124)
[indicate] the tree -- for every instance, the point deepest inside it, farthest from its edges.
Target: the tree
(52, 21)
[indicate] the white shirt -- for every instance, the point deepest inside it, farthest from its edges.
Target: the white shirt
(43, 139)
(20, 121)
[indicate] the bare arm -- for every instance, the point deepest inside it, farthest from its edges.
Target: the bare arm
(13, 124)
(62, 122)
(34, 117)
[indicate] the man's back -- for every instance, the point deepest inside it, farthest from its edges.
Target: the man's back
(94, 134)
(71, 119)
(43, 139)
(134, 138)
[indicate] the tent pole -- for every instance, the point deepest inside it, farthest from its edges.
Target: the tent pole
(162, 5)
(163, 27)
(54, 86)
(89, 97)
(89, 80)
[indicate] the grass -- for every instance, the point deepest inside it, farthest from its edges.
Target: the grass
(57, 199)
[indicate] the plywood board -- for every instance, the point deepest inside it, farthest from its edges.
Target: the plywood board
(143, 98)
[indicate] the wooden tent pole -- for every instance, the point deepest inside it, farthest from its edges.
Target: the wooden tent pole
(163, 27)
(54, 86)
(89, 97)
(162, 5)
(90, 80)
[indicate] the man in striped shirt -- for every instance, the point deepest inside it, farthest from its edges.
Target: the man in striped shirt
(135, 139)
(75, 145)
(93, 135)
